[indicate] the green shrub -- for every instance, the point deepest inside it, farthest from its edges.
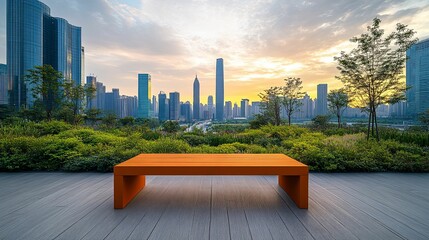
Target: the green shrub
(168, 145)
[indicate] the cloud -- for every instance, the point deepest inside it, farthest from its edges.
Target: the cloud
(262, 42)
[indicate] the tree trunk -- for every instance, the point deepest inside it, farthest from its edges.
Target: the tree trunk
(288, 118)
(369, 124)
(376, 125)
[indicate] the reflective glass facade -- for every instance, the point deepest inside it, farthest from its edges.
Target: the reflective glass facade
(3, 85)
(35, 38)
(219, 89)
(144, 91)
(417, 75)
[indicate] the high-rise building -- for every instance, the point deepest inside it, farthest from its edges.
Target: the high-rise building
(91, 100)
(417, 78)
(196, 100)
(101, 96)
(3, 85)
(185, 112)
(154, 106)
(35, 38)
(220, 91)
(210, 107)
(307, 107)
(228, 110)
(322, 99)
(163, 108)
(236, 111)
(244, 108)
(174, 106)
(144, 91)
(256, 108)
(128, 106)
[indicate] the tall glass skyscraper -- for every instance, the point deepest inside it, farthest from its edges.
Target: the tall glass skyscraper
(34, 38)
(3, 85)
(163, 109)
(220, 97)
(145, 93)
(174, 106)
(322, 99)
(196, 102)
(417, 75)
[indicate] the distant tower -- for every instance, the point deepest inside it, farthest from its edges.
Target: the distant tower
(144, 92)
(163, 109)
(210, 106)
(174, 106)
(417, 74)
(196, 103)
(219, 89)
(322, 99)
(245, 108)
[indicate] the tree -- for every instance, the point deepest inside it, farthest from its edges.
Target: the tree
(258, 121)
(338, 101)
(320, 121)
(72, 104)
(424, 118)
(127, 121)
(271, 104)
(291, 96)
(92, 115)
(46, 83)
(372, 72)
(109, 120)
(171, 126)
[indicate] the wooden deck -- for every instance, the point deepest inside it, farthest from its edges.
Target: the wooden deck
(341, 206)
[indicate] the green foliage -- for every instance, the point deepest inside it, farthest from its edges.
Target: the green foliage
(54, 145)
(320, 121)
(171, 126)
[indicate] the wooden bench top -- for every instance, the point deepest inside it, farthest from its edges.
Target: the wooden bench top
(211, 164)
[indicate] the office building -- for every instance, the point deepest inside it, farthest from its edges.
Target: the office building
(256, 108)
(236, 112)
(129, 106)
(196, 100)
(210, 107)
(244, 108)
(322, 99)
(219, 89)
(417, 78)
(154, 107)
(144, 95)
(228, 110)
(35, 38)
(163, 108)
(174, 106)
(3, 85)
(307, 107)
(100, 96)
(185, 112)
(91, 100)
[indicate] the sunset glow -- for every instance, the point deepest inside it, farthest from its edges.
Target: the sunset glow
(261, 42)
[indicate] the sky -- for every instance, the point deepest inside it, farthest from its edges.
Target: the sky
(261, 41)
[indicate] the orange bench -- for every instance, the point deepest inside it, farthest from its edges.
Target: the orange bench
(129, 176)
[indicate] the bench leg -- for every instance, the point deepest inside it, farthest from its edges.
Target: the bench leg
(125, 188)
(297, 188)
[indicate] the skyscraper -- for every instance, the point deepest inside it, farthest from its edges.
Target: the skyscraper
(196, 102)
(144, 91)
(219, 89)
(245, 108)
(322, 99)
(417, 77)
(185, 112)
(3, 85)
(154, 106)
(228, 110)
(163, 108)
(34, 38)
(210, 106)
(91, 101)
(174, 106)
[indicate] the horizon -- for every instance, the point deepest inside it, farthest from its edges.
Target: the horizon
(261, 43)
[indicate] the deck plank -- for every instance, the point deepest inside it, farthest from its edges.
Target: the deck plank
(341, 206)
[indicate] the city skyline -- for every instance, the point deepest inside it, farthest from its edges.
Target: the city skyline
(290, 39)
